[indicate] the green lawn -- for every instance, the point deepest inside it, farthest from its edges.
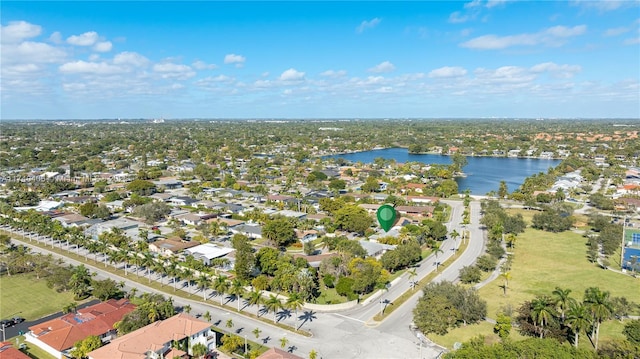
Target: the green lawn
(30, 298)
(543, 261)
(32, 351)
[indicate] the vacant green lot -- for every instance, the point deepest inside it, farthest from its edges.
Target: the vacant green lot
(27, 297)
(543, 261)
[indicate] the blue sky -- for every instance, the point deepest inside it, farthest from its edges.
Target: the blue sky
(161, 59)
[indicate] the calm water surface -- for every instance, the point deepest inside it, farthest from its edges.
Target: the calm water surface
(483, 173)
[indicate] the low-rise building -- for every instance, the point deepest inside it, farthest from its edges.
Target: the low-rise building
(157, 340)
(58, 336)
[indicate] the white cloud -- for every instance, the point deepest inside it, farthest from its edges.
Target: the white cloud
(238, 60)
(553, 36)
(201, 65)
(447, 72)
(86, 39)
(56, 38)
(98, 68)
(505, 74)
(333, 73)
(171, 70)
(370, 24)
(18, 31)
(31, 52)
(292, 75)
(563, 31)
(104, 46)
(604, 5)
(130, 58)
(472, 4)
(559, 71)
(385, 66)
(494, 3)
(615, 31)
(632, 41)
(456, 17)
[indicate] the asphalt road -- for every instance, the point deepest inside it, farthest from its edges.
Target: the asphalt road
(349, 334)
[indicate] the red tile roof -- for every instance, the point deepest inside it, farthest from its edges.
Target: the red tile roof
(275, 353)
(62, 333)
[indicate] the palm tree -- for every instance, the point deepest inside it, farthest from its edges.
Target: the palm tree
(237, 290)
(221, 285)
(600, 306)
(148, 262)
(203, 282)
(541, 313)
(511, 240)
(159, 267)
(412, 274)
(257, 332)
(123, 256)
(187, 274)
(283, 342)
(562, 301)
(255, 298)
(507, 277)
(578, 319)
(436, 249)
(207, 316)
(273, 304)
(187, 308)
(174, 271)
(454, 234)
(295, 302)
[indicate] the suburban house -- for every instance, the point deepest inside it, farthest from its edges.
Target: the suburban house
(58, 336)
(121, 223)
(423, 211)
(182, 201)
(275, 353)
(169, 338)
(7, 351)
(375, 249)
(208, 252)
(71, 219)
(307, 236)
(253, 231)
(171, 246)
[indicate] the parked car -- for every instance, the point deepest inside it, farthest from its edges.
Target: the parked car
(6, 323)
(18, 320)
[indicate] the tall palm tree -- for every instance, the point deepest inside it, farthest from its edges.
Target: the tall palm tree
(159, 267)
(578, 319)
(454, 234)
(237, 290)
(188, 275)
(203, 282)
(507, 277)
(436, 249)
(123, 256)
(601, 308)
(562, 301)
(148, 262)
(541, 312)
(295, 302)
(273, 304)
(412, 274)
(254, 298)
(221, 285)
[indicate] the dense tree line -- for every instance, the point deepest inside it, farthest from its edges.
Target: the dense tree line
(445, 305)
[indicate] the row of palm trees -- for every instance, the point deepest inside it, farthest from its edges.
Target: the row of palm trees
(33, 222)
(585, 317)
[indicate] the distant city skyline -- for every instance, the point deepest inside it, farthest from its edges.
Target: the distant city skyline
(450, 59)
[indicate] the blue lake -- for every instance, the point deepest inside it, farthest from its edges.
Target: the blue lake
(483, 173)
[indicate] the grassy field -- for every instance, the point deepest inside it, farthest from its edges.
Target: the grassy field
(543, 261)
(27, 297)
